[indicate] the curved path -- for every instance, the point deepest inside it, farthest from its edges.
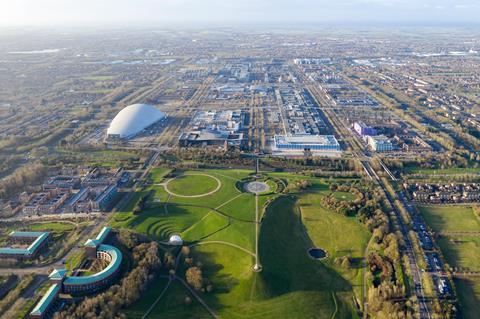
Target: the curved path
(200, 300)
(219, 212)
(219, 184)
(145, 315)
(223, 243)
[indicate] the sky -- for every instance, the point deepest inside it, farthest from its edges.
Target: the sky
(229, 12)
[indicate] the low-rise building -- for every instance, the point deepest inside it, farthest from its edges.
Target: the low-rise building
(380, 143)
(62, 283)
(35, 241)
(300, 143)
(363, 129)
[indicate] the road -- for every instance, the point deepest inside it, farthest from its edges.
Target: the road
(351, 141)
(409, 251)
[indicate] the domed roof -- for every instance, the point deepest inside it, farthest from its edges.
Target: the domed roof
(175, 240)
(133, 119)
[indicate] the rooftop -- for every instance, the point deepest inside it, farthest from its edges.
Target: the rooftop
(40, 237)
(306, 139)
(46, 300)
(112, 267)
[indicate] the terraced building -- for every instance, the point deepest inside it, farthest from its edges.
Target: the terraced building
(61, 283)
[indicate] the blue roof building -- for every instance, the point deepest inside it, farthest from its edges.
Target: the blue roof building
(37, 239)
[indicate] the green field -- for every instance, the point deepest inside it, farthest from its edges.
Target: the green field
(220, 228)
(461, 252)
(327, 231)
(442, 171)
(469, 297)
(54, 226)
(192, 185)
(450, 218)
(157, 174)
(99, 77)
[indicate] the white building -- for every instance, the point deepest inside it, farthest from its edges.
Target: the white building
(132, 120)
(380, 143)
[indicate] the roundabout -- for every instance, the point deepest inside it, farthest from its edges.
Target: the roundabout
(192, 185)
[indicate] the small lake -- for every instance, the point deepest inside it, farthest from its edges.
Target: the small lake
(317, 253)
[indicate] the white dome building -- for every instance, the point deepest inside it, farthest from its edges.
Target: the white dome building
(175, 240)
(132, 120)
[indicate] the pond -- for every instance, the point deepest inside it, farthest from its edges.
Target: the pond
(317, 253)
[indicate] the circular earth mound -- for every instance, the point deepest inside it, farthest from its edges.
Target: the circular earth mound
(193, 185)
(317, 253)
(256, 187)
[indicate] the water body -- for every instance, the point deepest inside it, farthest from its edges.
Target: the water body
(317, 253)
(36, 51)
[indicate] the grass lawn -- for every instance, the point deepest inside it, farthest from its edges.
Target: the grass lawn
(291, 285)
(53, 226)
(99, 78)
(157, 174)
(344, 196)
(172, 305)
(445, 171)
(74, 259)
(158, 225)
(469, 297)
(190, 185)
(207, 226)
(450, 218)
(462, 251)
(327, 230)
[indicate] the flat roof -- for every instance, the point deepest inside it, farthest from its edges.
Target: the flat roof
(46, 300)
(26, 233)
(306, 139)
(112, 267)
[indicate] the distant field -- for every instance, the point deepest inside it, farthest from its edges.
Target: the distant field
(450, 218)
(440, 171)
(221, 229)
(99, 78)
(462, 252)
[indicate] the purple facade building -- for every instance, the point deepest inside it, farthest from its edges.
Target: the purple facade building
(364, 130)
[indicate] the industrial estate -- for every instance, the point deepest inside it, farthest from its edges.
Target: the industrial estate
(240, 174)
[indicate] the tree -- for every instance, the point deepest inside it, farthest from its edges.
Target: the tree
(194, 277)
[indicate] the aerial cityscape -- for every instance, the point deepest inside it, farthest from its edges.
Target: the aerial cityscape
(240, 171)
